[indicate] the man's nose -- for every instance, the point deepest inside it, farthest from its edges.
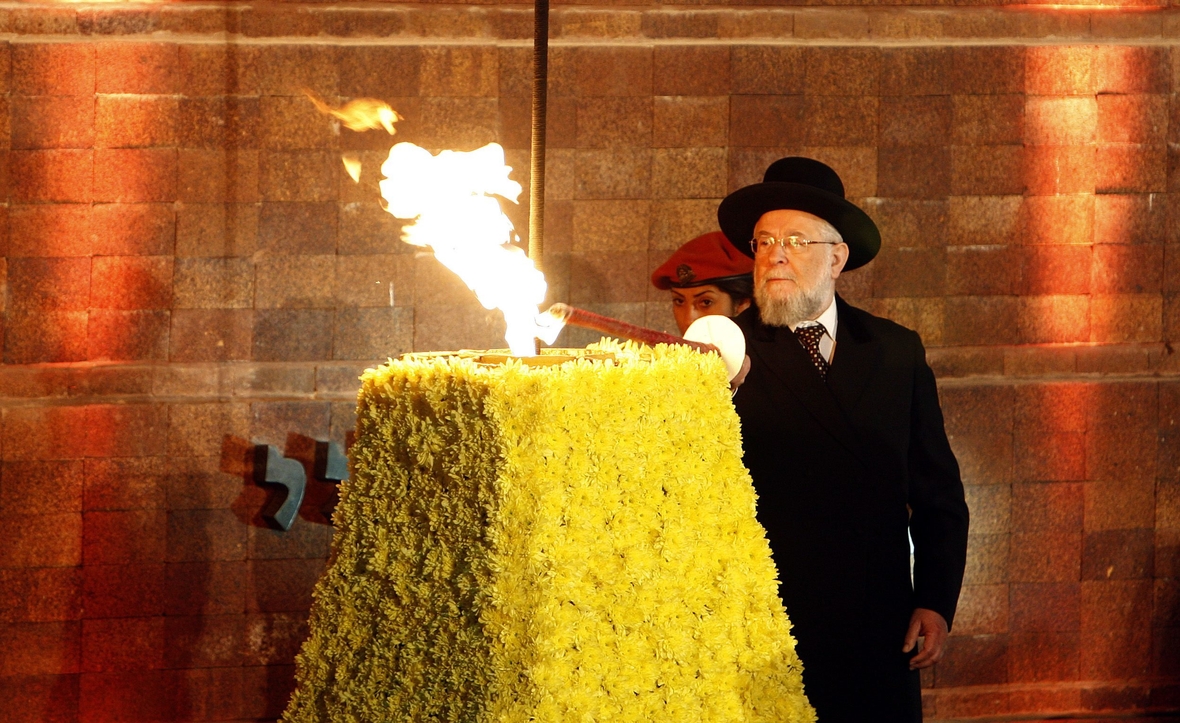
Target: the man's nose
(778, 254)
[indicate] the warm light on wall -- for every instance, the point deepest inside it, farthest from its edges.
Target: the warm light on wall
(1095, 163)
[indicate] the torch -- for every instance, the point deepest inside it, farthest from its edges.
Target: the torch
(716, 334)
(566, 314)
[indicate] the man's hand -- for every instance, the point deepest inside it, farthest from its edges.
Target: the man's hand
(741, 375)
(931, 627)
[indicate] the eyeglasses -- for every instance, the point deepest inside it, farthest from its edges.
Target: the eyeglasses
(792, 244)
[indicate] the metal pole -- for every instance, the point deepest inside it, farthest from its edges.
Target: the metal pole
(537, 171)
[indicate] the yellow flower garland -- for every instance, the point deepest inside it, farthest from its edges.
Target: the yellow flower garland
(563, 543)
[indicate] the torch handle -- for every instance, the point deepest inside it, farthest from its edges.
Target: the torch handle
(615, 327)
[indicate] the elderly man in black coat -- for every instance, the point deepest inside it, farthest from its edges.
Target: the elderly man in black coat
(844, 439)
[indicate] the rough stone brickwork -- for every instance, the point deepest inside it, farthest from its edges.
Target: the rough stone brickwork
(186, 269)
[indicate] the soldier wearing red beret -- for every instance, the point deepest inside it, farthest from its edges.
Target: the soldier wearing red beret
(707, 275)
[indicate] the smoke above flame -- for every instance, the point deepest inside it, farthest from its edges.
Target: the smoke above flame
(451, 198)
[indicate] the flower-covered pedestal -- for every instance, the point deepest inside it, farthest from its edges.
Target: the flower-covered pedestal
(549, 542)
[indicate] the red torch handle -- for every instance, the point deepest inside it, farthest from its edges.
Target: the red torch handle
(616, 327)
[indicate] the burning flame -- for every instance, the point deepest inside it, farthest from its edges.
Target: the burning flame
(359, 114)
(451, 197)
(352, 165)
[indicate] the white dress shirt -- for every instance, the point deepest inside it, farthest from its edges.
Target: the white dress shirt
(827, 343)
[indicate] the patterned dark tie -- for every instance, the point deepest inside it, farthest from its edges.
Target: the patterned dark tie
(809, 337)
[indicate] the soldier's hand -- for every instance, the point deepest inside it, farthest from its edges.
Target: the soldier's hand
(741, 375)
(932, 628)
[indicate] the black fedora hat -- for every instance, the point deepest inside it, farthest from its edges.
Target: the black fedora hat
(803, 184)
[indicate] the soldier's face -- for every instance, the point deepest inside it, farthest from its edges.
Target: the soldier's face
(691, 303)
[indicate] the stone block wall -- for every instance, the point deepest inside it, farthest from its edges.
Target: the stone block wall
(186, 270)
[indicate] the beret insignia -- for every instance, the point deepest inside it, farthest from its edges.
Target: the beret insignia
(684, 273)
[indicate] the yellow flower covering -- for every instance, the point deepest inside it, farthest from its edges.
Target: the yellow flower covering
(571, 542)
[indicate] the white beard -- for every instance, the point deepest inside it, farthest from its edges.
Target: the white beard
(798, 306)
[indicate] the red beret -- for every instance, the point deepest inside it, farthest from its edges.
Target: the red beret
(703, 260)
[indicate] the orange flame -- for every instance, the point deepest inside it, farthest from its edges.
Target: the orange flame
(359, 114)
(352, 164)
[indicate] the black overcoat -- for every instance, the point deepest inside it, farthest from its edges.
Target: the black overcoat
(842, 468)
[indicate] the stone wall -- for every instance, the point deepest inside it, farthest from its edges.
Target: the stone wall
(187, 270)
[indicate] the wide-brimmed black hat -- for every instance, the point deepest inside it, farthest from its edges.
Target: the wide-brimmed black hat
(803, 184)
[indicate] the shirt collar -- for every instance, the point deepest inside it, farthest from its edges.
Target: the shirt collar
(827, 319)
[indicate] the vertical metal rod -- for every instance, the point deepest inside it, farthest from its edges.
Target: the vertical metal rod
(540, 95)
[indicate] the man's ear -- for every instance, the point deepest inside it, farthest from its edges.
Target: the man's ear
(839, 258)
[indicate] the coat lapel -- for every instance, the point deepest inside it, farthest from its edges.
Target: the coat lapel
(787, 361)
(856, 360)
